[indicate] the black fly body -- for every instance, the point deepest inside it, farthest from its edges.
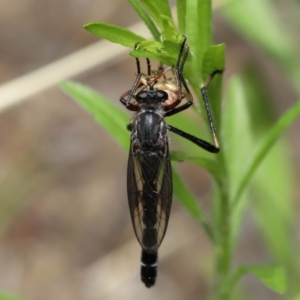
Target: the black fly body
(149, 175)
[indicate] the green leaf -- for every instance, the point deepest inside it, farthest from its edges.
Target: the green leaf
(268, 32)
(151, 46)
(187, 200)
(181, 12)
(154, 50)
(114, 34)
(154, 11)
(198, 30)
(166, 52)
(204, 26)
(242, 121)
(169, 31)
(207, 164)
(236, 125)
(164, 7)
(113, 119)
(172, 48)
(191, 29)
(153, 55)
(281, 125)
(273, 277)
(4, 296)
(275, 225)
(213, 60)
(145, 17)
(185, 197)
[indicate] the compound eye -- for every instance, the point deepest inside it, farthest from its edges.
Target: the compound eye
(141, 96)
(162, 95)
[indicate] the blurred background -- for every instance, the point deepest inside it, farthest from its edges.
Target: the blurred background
(65, 226)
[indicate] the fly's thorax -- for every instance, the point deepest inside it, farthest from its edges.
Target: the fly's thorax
(152, 107)
(149, 131)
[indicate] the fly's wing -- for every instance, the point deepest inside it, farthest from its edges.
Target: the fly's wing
(149, 188)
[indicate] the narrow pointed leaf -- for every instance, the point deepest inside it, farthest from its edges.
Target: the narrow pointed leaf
(112, 118)
(145, 17)
(281, 125)
(169, 29)
(236, 124)
(213, 60)
(153, 10)
(268, 33)
(181, 12)
(114, 34)
(164, 7)
(198, 30)
(185, 197)
(154, 50)
(187, 200)
(193, 40)
(273, 277)
(207, 164)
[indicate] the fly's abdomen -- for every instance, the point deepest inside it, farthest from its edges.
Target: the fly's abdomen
(148, 268)
(150, 196)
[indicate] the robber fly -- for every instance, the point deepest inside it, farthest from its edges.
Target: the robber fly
(149, 177)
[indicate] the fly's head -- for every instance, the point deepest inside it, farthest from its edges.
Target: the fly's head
(158, 81)
(151, 98)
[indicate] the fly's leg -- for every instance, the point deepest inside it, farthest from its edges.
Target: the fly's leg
(204, 93)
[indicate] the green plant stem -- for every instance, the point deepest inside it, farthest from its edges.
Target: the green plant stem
(222, 232)
(232, 281)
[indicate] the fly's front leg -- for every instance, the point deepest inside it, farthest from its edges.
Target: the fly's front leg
(129, 94)
(129, 106)
(181, 83)
(190, 101)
